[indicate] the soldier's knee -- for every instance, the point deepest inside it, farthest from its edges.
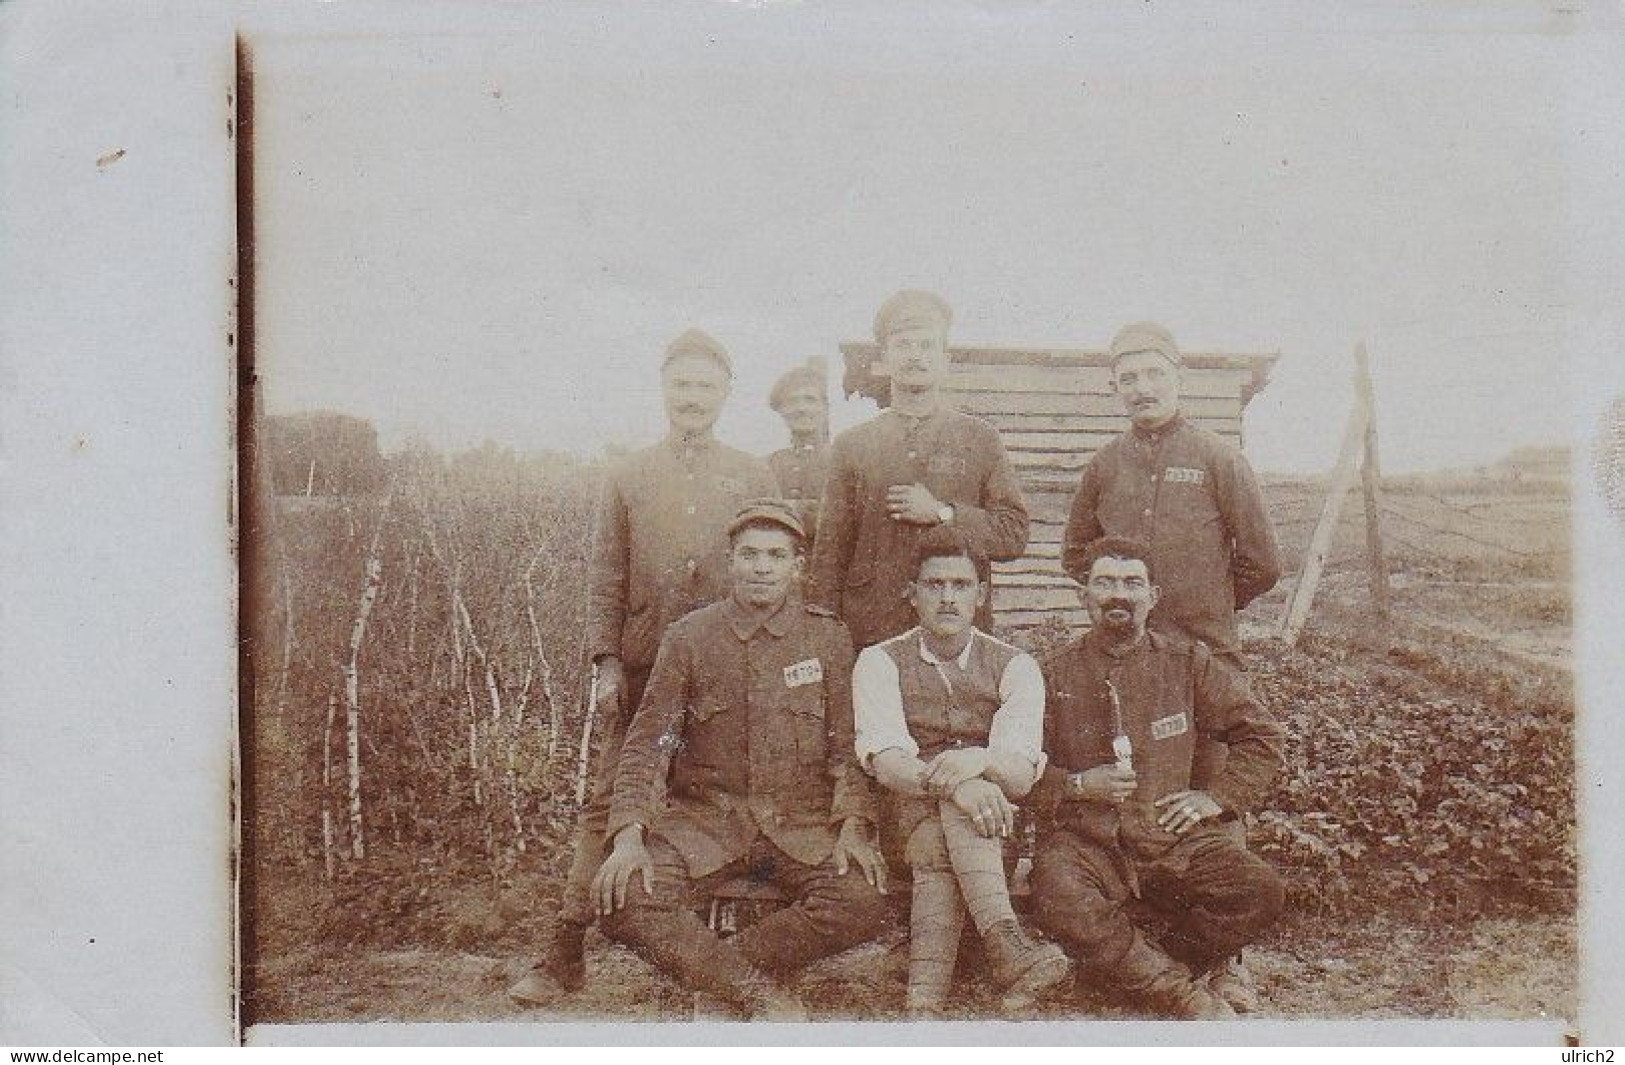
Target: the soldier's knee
(621, 926)
(926, 848)
(1268, 891)
(847, 906)
(868, 909)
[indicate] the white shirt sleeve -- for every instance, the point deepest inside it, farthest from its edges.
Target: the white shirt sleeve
(877, 707)
(1018, 724)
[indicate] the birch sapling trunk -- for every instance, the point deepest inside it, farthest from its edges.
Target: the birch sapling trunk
(555, 718)
(329, 857)
(352, 683)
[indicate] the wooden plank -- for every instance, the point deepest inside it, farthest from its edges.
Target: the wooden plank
(1084, 438)
(1033, 579)
(1006, 410)
(1037, 598)
(1040, 549)
(1077, 445)
(1087, 381)
(1052, 462)
(1076, 621)
(987, 403)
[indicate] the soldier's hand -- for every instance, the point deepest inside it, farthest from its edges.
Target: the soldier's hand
(611, 686)
(952, 768)
(984, 803)
(630, 857)
(1184, 810)
(852, 845)
(912, 503)
(1104, 783)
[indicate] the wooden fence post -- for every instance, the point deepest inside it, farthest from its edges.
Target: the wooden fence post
(1371, 483)
(1320, 544)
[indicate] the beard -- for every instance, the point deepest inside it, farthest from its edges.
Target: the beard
(1111, 619)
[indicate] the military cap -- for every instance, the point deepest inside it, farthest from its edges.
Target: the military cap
(1145, 336)
(765, 508)
(912, 308)
(698, 342)
(808, 376)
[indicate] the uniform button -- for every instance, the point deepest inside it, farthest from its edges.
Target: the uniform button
(913, 454)
(693, 565)
(1148, 512)
(689, 509)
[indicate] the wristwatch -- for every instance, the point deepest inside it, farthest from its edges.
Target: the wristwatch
(945, 514)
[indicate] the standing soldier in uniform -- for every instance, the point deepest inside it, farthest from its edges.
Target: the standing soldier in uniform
(916, 465)
(1182, 490)
(1120, 815)
(801, 398)
(1193, 499)
(659, 551)
(740, 761)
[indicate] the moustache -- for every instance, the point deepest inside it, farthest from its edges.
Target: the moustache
(1117, 604)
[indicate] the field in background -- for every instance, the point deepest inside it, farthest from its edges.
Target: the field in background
(1427, 811)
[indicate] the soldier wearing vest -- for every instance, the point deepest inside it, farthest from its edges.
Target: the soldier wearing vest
(659, 551)
(739, 761)
(950, 721)
(916, 465)
(801, 398)
(1119, 815)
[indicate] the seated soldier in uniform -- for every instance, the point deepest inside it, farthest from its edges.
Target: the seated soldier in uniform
(950, 720)
(739, 762)
(1118, 817)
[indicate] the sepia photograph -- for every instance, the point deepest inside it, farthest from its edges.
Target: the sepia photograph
(788, 512)
(943, 523)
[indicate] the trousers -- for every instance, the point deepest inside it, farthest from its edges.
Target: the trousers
(829, 913)
(1217, 895)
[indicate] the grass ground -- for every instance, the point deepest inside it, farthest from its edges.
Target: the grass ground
(1390, 968)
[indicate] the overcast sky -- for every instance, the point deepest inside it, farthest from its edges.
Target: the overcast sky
(488, 222)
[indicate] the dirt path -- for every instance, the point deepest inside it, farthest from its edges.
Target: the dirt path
(1502, 969)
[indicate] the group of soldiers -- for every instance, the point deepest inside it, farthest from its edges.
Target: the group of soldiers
(797, 682)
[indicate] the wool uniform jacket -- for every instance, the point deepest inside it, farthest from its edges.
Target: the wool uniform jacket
(1192, 498)
(1171, 692)
(863, 560)
(801, 472)
(660, 545)
(745, 729)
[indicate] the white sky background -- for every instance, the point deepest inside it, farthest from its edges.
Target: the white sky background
(488, 222)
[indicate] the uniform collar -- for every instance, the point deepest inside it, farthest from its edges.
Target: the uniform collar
(914, 421)
(1161, 432)
(689, 446)
(962, 660)
(745, 625)
(1095, 642)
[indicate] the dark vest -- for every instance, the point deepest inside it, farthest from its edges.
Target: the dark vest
(946, 706)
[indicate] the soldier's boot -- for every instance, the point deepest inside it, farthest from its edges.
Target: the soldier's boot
(679, 943)
(1232, 981)
(936, 922)
(562, 970)
(1166, 986)
(1026, 968)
